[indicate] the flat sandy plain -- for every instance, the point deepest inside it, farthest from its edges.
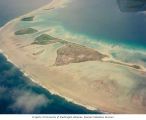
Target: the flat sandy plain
(79, 73)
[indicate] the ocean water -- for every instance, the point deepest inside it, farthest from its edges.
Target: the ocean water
(18, 95)
(111, 26)
(100, 20)
(104, 20)
(9, 9)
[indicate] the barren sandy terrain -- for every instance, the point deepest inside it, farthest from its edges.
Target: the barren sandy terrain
(74, 71)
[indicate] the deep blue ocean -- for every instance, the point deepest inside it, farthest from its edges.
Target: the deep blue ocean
(18, 94)
(111, 21)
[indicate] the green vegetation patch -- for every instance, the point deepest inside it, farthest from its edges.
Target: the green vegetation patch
(28, 18)
(63, 42)
(25, 31)
(45, 39)
(136, 66)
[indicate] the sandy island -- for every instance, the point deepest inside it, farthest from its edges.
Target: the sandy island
(79, 73)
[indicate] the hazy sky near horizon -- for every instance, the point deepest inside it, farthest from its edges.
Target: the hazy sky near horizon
(10, 9)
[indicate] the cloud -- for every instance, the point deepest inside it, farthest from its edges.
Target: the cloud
(28, 102)
(17, 95)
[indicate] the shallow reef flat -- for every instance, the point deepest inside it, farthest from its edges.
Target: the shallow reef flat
(75, 67)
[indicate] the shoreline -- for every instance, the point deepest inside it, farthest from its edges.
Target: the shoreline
(51, 91)
(59, 82)
(28, 76)
(110, 58)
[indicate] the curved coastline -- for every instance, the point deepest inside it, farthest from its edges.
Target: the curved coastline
(53, 92)
(35, 81)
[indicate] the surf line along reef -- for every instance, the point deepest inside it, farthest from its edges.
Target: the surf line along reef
(71, 66)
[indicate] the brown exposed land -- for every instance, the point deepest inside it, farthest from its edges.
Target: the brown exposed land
(73, 53)
(128, 65)
(74, 71)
